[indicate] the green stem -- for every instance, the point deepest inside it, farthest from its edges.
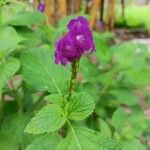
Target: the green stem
(1, 6)
(0, 14)
(17, 96)
(1, 108)
(75, 67)
(74, 134)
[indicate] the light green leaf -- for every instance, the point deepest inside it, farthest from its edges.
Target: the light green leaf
(124, 54)
(9, 40)
(45, 142)
(125, 96)
(86, 139)
(119, 118)
(104, 128)
(102, 46)
(138, 77)
(133, 144)
(26, 18)
(48, 119)
(40, 71)
(80, 106)
(54, 98)
(8, 69)
(31, 38)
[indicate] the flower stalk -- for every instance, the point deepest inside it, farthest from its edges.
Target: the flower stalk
(74, 70)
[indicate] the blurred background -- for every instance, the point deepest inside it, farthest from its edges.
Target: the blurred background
(128, 19)
(117, 76)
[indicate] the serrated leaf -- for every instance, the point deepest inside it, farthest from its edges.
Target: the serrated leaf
(80, 106)
(125, 96)
(48, 119)
(40, 71)
(9, 40)
(45, 142)
(86, 139)
(8, 69)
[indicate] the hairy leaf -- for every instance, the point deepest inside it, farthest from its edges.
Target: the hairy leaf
(83, 138)
(48, 119)
(45, 142)
(40, 71)
(81, 105)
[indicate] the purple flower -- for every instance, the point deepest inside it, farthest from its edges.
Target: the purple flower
(100, 25)
(41, 7)
(75, 43)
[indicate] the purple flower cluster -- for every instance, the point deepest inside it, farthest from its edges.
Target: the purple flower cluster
(41, 7)
(75, 43)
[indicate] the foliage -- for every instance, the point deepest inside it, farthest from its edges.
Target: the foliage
(135, 16)
(35, 112)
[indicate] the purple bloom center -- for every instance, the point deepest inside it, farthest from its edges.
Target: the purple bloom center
(75, 43)
(80, 38)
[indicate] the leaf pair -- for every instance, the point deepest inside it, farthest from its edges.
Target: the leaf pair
(53, 116)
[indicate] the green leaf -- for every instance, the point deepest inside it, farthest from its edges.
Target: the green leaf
(104, 128)
(31, 38)
(80, 106)
(86, 139)
(7, 143)
(138, 77)
(9, 40)
(45, 142)
(129, 124)
(48, 119)
(91, 88)
(12, 134)
(102, 46)
(54, 98)
(119, 118)
(89, 70)
(124, 54)
(8, 69)
(26, 18)
(133, 144)
(125, 96)
(40, 71)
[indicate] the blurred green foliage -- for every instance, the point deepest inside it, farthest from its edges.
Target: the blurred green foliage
(135, 16)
